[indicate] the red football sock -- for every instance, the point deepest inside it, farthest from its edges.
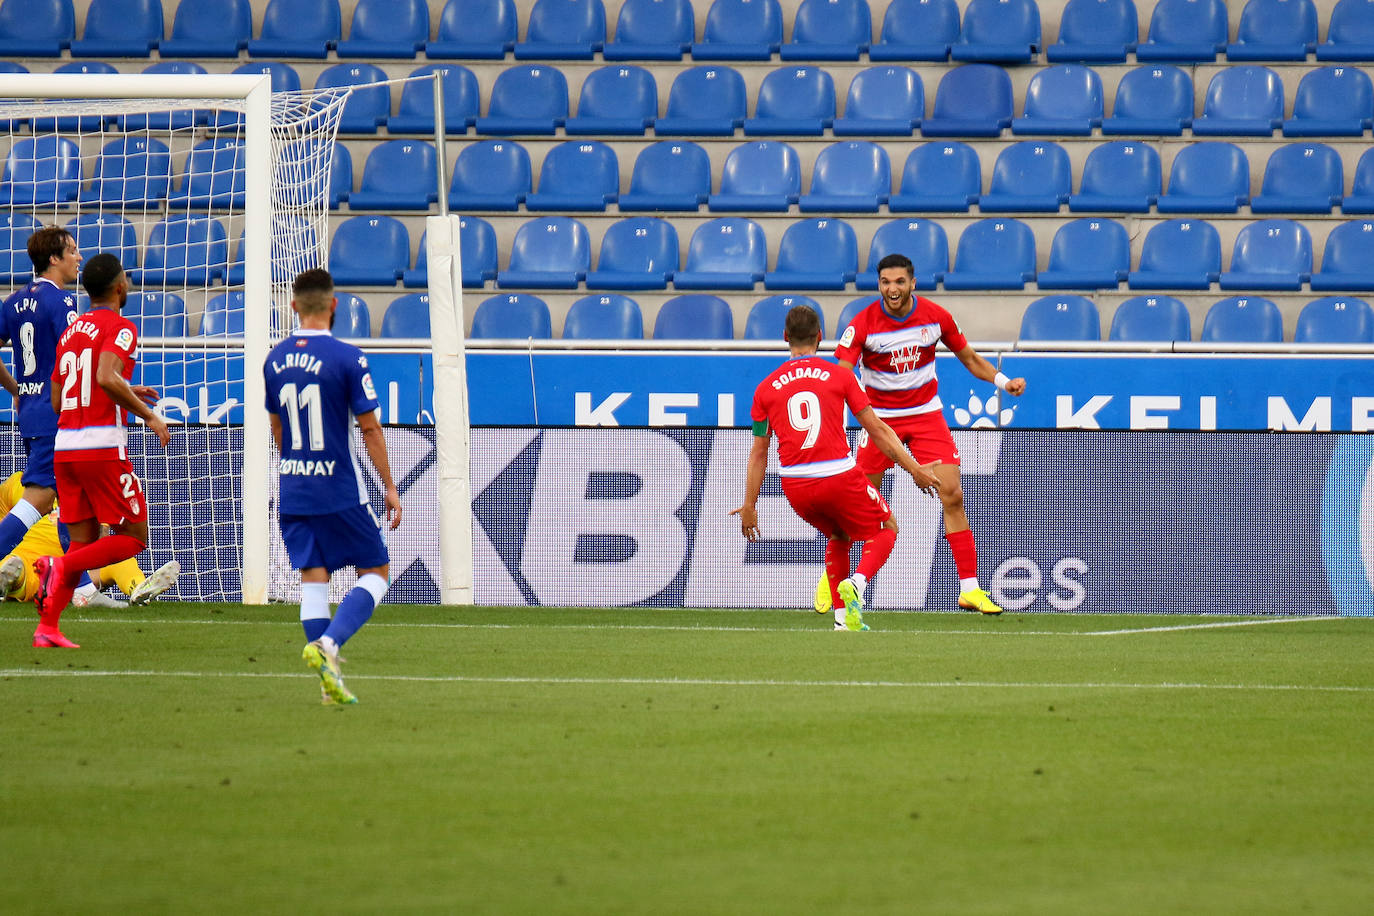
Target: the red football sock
(876, 551)
(836, 567)
(965, 553)
(98, 553)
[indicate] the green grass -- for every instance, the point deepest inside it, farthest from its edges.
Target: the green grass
(697, 762)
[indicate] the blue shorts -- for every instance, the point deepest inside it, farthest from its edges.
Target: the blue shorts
(352, 537)
(39, 472)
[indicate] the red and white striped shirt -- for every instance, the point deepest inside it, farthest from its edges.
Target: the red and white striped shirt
(896, 357)
(90, 424)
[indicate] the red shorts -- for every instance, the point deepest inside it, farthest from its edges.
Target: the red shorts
(106, 489)
(845, 505)
(926, 435)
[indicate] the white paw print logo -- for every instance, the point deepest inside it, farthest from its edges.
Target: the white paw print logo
(980, 414)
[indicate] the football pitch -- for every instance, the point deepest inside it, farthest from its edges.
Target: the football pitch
(551, 761)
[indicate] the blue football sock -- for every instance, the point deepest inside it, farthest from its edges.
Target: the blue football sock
(64, 537)
(15, 525)
(356, 608)
(85, 579)
(314, 609)
(315, 627)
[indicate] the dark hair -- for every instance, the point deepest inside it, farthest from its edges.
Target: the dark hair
(897, 260)
(313, 291)
(803, 325)
(45, 244)
(100, 274)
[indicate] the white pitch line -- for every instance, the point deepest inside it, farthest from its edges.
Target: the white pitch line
(1209, 626)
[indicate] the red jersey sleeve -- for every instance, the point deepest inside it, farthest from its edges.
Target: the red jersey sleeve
(851, 345)
(854, 396)
(950, 332)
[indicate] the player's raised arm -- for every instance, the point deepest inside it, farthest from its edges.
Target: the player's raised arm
(374, 440)
(886, 440)
(981, 368)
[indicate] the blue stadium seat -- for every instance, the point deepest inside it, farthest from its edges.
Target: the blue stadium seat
(165, 120)
(577, 175)
(993, 254)
(917, 30)
(512, 316)
(1350, 32)
(615, 100)
(386, 29)
(767, 318)
(527, 99)
(1300, 178)
(882, 101)
(852, 176)
(209, 28)
(939, 176)
(1095, 31)
(1122, 176)
(352, 318)
(921, 240)
(1152, 100)
(1270, 254)
(415, 113)
(1087, 254)
(131, 172)
(652, 30)
(852, 308)
(475, 29)
(1241, 100)
(407, 317)
(1332, 102)
(1064, 99)
(605, 316)
(1063, 317)
(793, 101)
(1361, 196)
(184, 250)
(1243, 319)
(214, 177)
(1033, 176)
(367, 107)
(729, 252)
(694, 317)
(829, 30)
(369, 251)
(36, 28)
(668, 175)
(223, 315)
(476, 245)
(41, 170)
(1151, 319)
(1335, 320)
(156, 314)
(298, 28)
(549, 252)
(15, 229)
(1185, 30)
(740, 30)
(120, 28)
(815, 254)
(762, 175)
(1178, 254)
(1275, 30)
(83, 123)
(97, 232)
(398, 175)
(291, 234)
(1347, 258)
(1003, 31)
(563, 30)
(1210, 176)
(704, 101)
(974, 100)
(639, 252)
(300, 157)
(491, 175)
(284, 78)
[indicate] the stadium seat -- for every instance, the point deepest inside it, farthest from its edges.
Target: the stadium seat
(916, 30)
(284, 78)
(815, 254)
(1270, 254)
(882, 101)
(1095, 31)
(1064, 317)
(15, 229)
(398, 175)
(490, 175)
(300, 159)
(829, 30)
(527, 99)
(352, 319)
(1241, 100)
(120, 28)
(577, 175)
(41, 170)
(476, 245)
(512, 316)
(993, 254)
(1275, 30)
(209, 28)
(1178, 254)
(415, 113)
(407, 317)
(636, 253)
(762, 175)
(131, 172)
(793, 101)
(851, 176)
(367, 107)
(1001, 31)
(615, 100)
(1152, 100)
(1335, 320)
(1185, 30)
(549, 252)
(852, 308)
(298, 28)
(1033, 176)
(214, 177)
(88, 123)
(668, 175)
(291, 235)
(223, 315)
(1087, 254)
(740, 30)
(767, 318)
(1243, 319)
(1122, 176)
(1151, 319)
(563, 30)
(1361, 196)
(1300, 178)
(1350, 32)
(369, 251)
(1347, 258)
(921, 240)
(704, 101)
(165, 120)
(156, 314)
(386, 29)
(475, 29)
(694, 317)
(36, 28)
(651, 30)
(1064, 99)
(183, 250)
(1332, 102)
(729, 252)
(97, 232)
(974, 100)
(605, 316)
(942, 177)
(1210, 176)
